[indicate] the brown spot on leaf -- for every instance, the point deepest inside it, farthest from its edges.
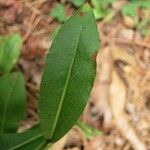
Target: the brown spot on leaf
(94, 55)
(81, 13)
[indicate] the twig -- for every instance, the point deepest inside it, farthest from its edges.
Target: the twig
(31, 27)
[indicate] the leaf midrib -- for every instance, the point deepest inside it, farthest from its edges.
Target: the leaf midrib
(65, 87)
(6, 106)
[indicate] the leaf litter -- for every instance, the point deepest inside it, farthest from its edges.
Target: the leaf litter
(120, 101)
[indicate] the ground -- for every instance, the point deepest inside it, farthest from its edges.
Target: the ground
(119, 104)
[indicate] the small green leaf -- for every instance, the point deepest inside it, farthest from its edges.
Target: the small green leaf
(68, 75)
(77, 3)
(100, 12)
(101, 8)
(59, 12)
(10, 46)
(12, 102)
(88, 131)
(30, 140)
(131, 9)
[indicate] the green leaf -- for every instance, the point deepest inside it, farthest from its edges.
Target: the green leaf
(98, 3)
(101, 8)
(131, 8)
(69, 74)
(88, 131)
(29, 140)
(77, 3)
(59, 12)
(10, 46)
(100, 12)
(12, 102)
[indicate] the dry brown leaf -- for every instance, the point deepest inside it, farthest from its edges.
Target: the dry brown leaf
(118, 99)
(11, 10)
(100, 92)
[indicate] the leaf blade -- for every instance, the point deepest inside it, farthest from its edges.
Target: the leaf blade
(10, 46)
(28, 140)
(59, 12)
(12, 102)
(59, 81)
(87, 130)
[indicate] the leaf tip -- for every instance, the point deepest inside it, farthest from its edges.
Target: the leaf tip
(86, 8)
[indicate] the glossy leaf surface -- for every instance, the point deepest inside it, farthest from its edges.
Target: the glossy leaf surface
(12, 102)
(68, 75)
